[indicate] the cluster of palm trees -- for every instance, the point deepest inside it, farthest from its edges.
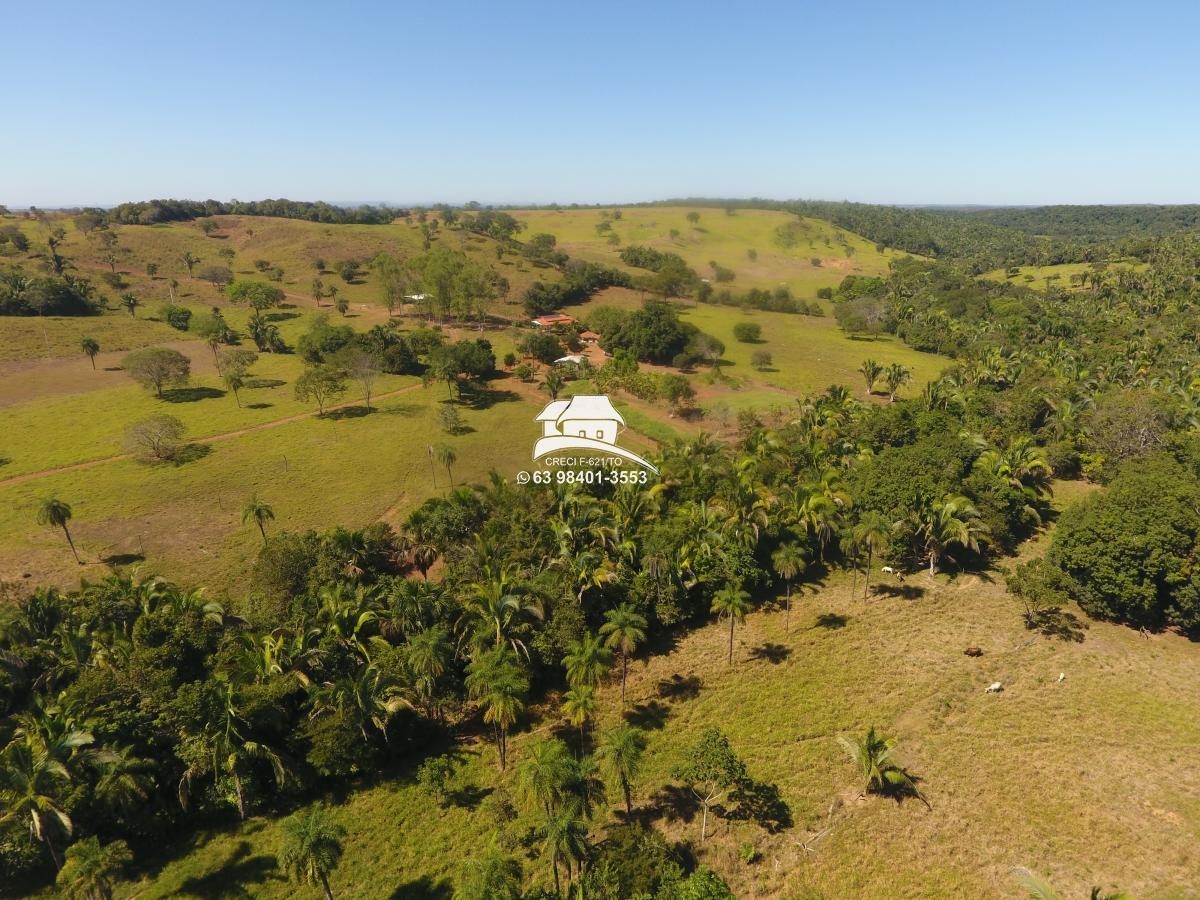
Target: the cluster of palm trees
(894, 375)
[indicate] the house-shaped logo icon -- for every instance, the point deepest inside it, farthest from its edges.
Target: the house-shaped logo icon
(585, 422)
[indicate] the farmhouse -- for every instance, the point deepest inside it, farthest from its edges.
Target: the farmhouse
(554, 320)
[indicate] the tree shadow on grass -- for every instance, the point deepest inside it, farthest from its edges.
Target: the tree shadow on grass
(772, 653)
(679, 688)
(190, 453)
(831, 621)
(234, 877)
(650, 716)
(282, 317)
(400, 409)
(258, 383)
(122, 559)
(1058, 623)
(469, 796)
(191, 394)
(348, 412)
(760, 803)
(675, 803)
(259, 405)
(423, 888)
(487, 398)
(903, 591)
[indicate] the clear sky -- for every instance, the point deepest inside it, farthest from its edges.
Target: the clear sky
(514, 102)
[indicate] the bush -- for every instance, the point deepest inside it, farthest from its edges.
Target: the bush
(178, 317)
(748, 332)
(761, 359)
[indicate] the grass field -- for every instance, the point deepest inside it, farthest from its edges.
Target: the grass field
(809, 353)
(1110, 797)
(724, 239)
(1060, 275)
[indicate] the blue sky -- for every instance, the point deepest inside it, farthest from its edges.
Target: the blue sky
(601, 102)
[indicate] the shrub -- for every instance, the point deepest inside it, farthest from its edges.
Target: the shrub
(178, 317)
(747, 332)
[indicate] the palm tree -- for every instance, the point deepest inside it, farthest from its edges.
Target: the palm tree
(429, 656)
(579, 706)
(31, 773)
(90, 346)
(1040, 889)
(624, 629)
(493, 876)
(495, 679)
(940, 526)
(124, 779)
(312, 847)
(586, 661)
(553, 383)
(258, 512)
(228, 750)
(190, 260)
(733, 602)
(54, 513)
(544, 776)
(895, 377)
(871, 532)
(788, 562)
(879, 771)
(871, 371)
(447, 457)
(235, 381)
(565, 839)
(131, 303)
(91, 870)
(492, 606)
(621, 752)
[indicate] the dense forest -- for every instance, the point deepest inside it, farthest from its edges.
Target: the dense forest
(1090, 224)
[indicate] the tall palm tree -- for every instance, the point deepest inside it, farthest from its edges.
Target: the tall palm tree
(190, 260)
(447, 457)
(495, 679)
(33, 772)
(733, 602)
(312, 847)
(493, 876)
(939, 526)
(493, 607)
(895, 377)
(579, 706)
(586, 660)
(544, 775)
(871, 371)
(624, 629)
(553, 383)
(872, 532)
(229, 750)
(259, 512)
(788, 562)
(90, 346)
(54, 513)
(565, 839)
(621, 752)
(91, 870)
(429, 656)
